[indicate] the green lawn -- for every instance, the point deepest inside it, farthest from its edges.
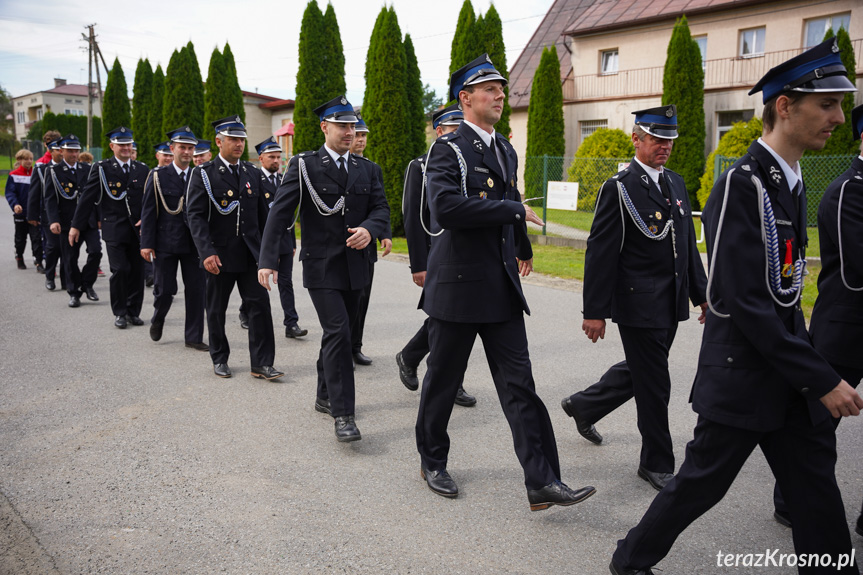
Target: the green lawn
(6, 162)
(579, 220)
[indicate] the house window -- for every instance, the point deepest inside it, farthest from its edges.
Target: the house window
(608, 62)
(590, 126)
(39, 114)
(22, 117)
(752, 42)
(702, 46)
(725, 120)
(816, 28)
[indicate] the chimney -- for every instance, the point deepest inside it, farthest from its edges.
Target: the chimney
(59, 82)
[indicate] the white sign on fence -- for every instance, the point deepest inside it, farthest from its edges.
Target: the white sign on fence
(563, 196)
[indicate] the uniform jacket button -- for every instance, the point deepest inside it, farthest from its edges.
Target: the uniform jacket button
(730, 360)
(804, 390)
(459, 276)
(503, 240)
(518, 216)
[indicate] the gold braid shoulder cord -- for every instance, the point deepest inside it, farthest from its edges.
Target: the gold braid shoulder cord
(161, 197)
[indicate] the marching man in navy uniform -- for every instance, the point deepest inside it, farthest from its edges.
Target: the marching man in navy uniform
(759, 381)
(342, 207)
(116, 185)
(641, 269)
(227, 210)
(164, 155)
(167, 242)
(416, 219)
(472, 288)
(270, 154)
(39, 217)
(65, 184)
(202, 152)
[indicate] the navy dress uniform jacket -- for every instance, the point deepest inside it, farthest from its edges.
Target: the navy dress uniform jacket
(474, 285)
(419, 242)
(837, 319)
(387, 233)
(634, 280)
(759, 364)
(327, 261)
(58, 208)
(118, 217)
(160, 230)
(36, 194)
(288, 243)
(217, 234)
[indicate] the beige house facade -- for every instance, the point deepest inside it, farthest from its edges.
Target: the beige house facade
(63, 98)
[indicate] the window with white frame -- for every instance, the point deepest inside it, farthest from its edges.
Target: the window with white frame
(725, 121)
(22, 117)
(702, 47)
(590, 126)
(816, 28)
(608, 62)
(752, 42)
(39, 114)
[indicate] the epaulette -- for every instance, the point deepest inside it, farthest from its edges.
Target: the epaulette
(444, 138)
(748, 163)
(157, 168)
(309, 153)
(621, 173)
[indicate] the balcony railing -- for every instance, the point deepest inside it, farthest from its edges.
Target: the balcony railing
(718, 74)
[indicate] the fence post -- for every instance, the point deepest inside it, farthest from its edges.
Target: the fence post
(717, 163)
(544, 190)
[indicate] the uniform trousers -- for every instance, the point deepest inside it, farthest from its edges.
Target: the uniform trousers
(262, 345)
(803, 460)
(505, 345)
(643, 375)
(194, 290)
(78, 279)
(335, 309)
(51, 243)
(418, 347)
(358, 323)
(23, 230)
(286, 291)
(127, 277)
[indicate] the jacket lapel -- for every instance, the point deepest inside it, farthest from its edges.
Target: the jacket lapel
(353, 172)
(776, 183)
(650, 188)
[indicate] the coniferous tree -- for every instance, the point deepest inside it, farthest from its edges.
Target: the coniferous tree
(215, 104)
(416, 130)
(116, 110)
(183, 92)
(683, 85)
(311, 80)
(335, 55)
(141, 97)
(841, 141)
(194, 85)
(154, 110)
(385, 110)
(463, 42)
(492, 36)
(545, 125)
(233, 93)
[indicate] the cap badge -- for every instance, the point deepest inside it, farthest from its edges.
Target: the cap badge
(344, 101)
(487, 59)
(237, 119)
(835, 46)
(669, 112)
(122, 129)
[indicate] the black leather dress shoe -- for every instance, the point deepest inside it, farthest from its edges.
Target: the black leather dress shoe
(91, 293)
(267, 372)
(21, 264)
(782, 518)
(222, 370)
(198, 345)
(156, 330)
(346, 429)
(463, 398)
(618, 570)
(440, 482)
(74, 301)
(557, 493)
(148, 281)
(407, 374)
(294, 332)
(244, 321)
(120, 321)
(134, 320)
(50, 285)
(362, 359)
(585, 429)
(322, 406)
(40, 269)
(656, 479)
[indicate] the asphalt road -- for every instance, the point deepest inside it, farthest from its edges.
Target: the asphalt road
(121, 455)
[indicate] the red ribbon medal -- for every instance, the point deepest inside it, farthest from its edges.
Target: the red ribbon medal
(788, 266)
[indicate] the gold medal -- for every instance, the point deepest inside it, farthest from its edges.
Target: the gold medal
(490, 183)
(113, 192)
(653, 229)
(267, 195)
(658, 216)
(118, 185)
(224, 203)
(230, 193)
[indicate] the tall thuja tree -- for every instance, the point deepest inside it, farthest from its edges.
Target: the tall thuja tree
(385, 110)
(234, 94)
(311, 80)
(492, 36)
(683, 85)
(544, 123)
(841, 141)
(335, 55)
(416, 129)
(215, 101)
(142, 93)
(184, 93)
(116, 110)
(154, 110)
(194, 83)
(172, 93)
(463, 43)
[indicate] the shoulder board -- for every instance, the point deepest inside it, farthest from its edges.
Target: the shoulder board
(747, 163)
(621, 173)
(157, 168)
(309, 153)
(664, 169)
(362, 158)
(249, 164)
(444, 138)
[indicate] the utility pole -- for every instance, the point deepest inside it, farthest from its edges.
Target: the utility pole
(92, 52)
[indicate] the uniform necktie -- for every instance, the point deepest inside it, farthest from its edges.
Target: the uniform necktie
(126, 169)
(663, 187)
(183, 176)
(343, 173)
(273, 180)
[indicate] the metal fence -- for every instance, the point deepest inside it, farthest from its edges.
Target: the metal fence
(590, 173)
(817, 171)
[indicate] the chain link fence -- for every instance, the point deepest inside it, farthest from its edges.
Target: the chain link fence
(818, 172)
(590, 173)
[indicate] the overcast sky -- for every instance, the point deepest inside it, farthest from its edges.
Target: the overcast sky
(42, 40)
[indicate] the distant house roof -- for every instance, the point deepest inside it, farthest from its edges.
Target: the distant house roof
(247, 94)
(277, 105)
(66, 89)
(614, 14)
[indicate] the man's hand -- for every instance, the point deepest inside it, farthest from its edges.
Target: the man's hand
(74, 234)
(55, 228)
(388, 246)
(594, 329)
(703, 317)
(33, 222)
(138, 224)
(17, 209)
(419, 278)
(148, 254)
(530, 215)
(264, 277)
(212, 264)
(525, 267)
(843, 400)
(359, 239)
